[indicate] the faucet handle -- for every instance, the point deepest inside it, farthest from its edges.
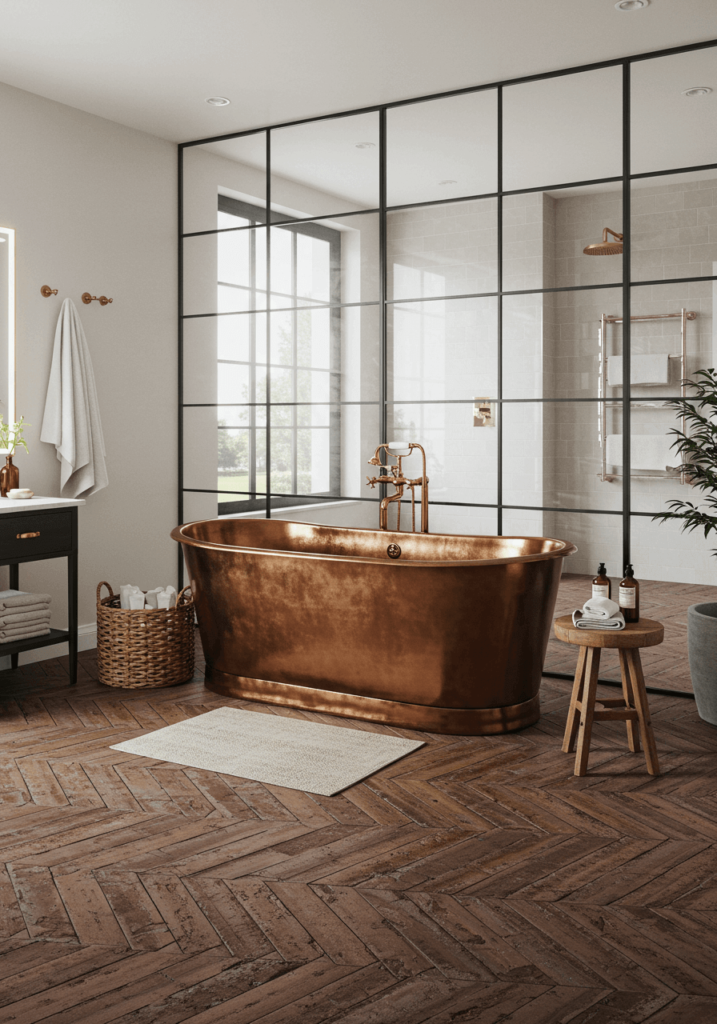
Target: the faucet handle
(371, 482)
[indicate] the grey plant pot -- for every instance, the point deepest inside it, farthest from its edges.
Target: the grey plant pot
(702, 645)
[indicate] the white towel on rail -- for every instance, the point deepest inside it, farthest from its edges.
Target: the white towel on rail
(654, 369)
(647, 451)
(72, 415)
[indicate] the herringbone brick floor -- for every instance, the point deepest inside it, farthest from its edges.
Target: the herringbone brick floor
(476, 881)
(666, 666)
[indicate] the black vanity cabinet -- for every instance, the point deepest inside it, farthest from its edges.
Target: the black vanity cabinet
(31, 530)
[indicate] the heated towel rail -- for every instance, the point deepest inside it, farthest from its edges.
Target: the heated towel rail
(683, 316)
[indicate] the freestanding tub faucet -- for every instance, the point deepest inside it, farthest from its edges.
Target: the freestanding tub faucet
(400, 450)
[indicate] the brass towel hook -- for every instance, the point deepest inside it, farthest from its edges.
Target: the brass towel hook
(47, 291)
(102, 299)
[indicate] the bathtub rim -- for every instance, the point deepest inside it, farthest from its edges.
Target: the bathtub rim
(567, 547)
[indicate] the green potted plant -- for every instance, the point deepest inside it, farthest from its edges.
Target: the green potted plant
(697, 444)
(10, 438)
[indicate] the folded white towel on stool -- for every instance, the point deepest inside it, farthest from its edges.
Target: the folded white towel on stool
(599, 613)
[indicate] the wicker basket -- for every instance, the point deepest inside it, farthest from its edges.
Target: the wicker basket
(141, 649)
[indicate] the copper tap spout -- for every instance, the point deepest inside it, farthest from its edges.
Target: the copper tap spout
(399, 481)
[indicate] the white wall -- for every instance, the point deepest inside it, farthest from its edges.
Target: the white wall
(93, 204)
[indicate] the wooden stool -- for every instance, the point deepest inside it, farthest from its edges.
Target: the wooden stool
(632, 707)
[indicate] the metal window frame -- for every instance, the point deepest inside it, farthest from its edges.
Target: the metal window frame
(384, 399)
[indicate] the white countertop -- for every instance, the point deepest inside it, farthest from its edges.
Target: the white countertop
(37, 503)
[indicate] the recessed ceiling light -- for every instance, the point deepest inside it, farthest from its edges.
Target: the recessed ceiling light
(631, 5)
(365, 145)
(697, 90)
(217, 101)
(448, 181)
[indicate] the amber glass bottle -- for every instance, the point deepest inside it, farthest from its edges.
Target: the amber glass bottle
(602, 587)
(9, 477)
(629, 599)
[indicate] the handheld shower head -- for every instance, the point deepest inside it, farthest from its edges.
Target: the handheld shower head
(605, 248)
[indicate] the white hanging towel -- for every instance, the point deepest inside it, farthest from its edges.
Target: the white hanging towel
(72, 415)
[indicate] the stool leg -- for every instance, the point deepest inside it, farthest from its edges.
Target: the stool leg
(592, 668)
(571, 726)
(633, 729)
(643, 711)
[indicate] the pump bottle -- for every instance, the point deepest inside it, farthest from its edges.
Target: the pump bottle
(602, 587)
(629, 596)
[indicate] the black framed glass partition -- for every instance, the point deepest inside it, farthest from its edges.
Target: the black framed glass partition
(528, 246)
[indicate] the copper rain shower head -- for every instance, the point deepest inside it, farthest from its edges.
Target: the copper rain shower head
(605, 248)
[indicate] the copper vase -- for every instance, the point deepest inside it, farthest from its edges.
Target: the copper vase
(9, 477)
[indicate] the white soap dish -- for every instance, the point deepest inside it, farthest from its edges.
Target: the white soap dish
(20, 493)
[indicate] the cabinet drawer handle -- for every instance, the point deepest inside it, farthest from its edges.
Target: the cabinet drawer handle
(24, 536)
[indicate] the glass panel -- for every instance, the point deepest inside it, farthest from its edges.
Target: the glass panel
(362, 514)
(360, 331)
(598, 539)
(669, 128)
(443, 349)
(660, 336)
(209, 505)
(552, 343)
(450, 249)
(674, 226)
(225, 449)
(461, 459)
(563, 129)
(325, 167)
(231, 167)
(442, 149)
(545, 235)
(331, 354)
(224, 359)
(454, 519)
(322, 448)
(330, 261)
(225, 273)
(552, 456)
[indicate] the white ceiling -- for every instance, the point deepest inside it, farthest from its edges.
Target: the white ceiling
(150, 64)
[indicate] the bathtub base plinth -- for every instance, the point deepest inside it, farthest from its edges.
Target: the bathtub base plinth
(452, 721)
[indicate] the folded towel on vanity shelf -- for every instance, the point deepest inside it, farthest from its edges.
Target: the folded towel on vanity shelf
(26, 629)
(653, 369)
(27, 613)
(18, 599)
(647, 451)
(599, 613)
(24, 636)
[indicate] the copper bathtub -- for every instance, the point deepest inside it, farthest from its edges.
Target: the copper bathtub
(449, 635)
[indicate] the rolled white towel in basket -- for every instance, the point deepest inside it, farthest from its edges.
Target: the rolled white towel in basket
(599, 613)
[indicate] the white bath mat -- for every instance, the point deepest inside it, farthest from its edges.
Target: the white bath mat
(280, 751)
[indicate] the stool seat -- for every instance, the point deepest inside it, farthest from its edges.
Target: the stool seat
(632, 707)
(645, 633)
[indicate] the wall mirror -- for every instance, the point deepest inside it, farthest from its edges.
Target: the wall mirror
(7, 324)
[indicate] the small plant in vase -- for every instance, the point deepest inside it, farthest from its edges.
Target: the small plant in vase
(10, 438)
(698, 449)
